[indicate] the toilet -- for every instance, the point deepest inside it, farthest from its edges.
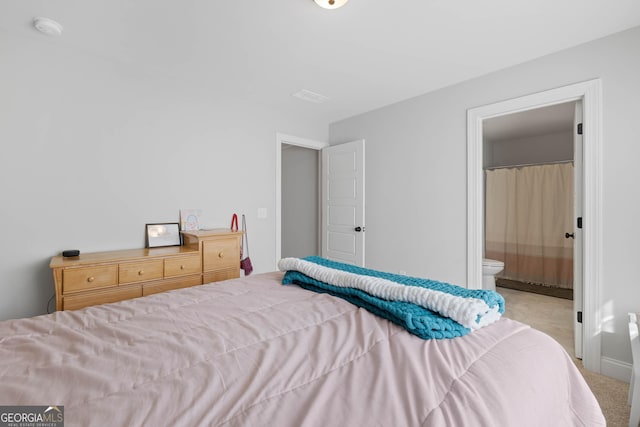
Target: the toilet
(490, 267)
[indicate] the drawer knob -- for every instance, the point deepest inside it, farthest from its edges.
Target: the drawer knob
(90, 279)
(140, 273)
(182, 267)
(221, 254)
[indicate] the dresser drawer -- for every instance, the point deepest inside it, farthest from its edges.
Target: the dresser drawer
(82, 278)
(182, 266)
(221, 253)
(132, 272)
(219, 275)
(170, 284)
(74, 302)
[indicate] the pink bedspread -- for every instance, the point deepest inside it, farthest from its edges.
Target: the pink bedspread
(250, 352)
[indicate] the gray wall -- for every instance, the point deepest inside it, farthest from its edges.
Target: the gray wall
(537, 149)
(300, 201)
(92, 150)
(416, 171)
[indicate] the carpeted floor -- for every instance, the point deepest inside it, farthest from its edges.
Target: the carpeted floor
(553, 316)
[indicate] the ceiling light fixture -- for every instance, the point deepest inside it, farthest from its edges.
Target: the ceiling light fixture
(331, 4)
(47, 26)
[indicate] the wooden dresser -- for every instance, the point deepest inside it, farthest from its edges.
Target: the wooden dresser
(103, 277)
(220, 252)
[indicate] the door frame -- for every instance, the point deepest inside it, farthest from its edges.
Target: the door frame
(590, 92)
(281, 139)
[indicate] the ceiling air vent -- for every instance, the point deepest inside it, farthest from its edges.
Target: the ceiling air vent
(307, 95)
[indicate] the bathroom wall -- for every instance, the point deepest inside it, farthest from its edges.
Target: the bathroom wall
(536, 149)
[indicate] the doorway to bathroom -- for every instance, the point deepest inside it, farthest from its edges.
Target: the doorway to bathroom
(529, 190)
(587, 313)
(531, 197)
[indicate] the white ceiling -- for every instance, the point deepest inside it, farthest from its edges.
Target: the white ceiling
(368, 54)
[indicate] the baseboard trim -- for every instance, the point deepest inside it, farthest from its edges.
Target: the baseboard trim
(616, 369)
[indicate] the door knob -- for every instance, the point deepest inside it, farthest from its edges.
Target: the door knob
(359, 229)
(567, 235)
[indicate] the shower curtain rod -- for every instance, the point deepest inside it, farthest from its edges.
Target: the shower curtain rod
(529, 164)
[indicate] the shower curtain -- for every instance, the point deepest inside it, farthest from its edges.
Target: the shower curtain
(528, 211)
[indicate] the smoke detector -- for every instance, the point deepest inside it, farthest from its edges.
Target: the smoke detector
(47, 26)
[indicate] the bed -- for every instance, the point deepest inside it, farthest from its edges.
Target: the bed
(252, 352)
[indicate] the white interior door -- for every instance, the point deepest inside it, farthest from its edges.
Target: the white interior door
(578, 200)
(343, 223)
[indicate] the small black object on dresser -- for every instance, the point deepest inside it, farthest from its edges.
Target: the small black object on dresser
(70, 253)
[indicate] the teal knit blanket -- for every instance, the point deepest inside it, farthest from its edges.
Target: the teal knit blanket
(416, 319)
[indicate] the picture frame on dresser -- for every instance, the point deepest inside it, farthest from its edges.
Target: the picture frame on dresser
(162, 234)
(190, 219)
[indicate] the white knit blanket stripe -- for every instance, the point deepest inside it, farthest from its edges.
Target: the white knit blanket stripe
(471, 313)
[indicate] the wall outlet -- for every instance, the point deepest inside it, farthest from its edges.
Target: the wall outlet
(404, 273)
(262, 213)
